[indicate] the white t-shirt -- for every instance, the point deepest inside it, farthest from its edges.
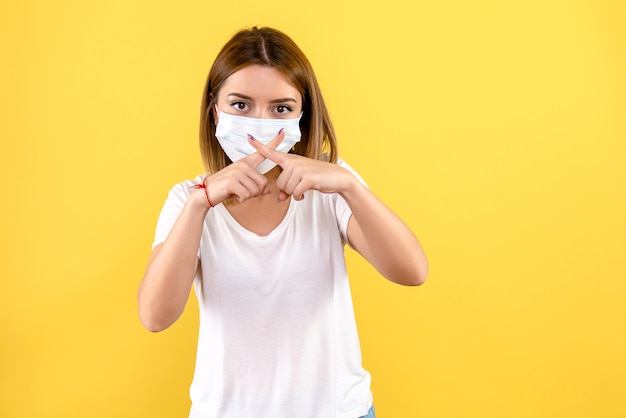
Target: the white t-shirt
(278, 337)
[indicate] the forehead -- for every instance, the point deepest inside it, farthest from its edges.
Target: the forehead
(259, 81)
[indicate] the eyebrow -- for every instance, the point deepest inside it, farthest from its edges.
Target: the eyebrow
(280, 100)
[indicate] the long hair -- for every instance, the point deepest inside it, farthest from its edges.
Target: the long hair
(268, 47)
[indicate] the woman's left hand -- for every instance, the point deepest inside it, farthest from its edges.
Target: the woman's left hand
(374, 230)
(301, 173)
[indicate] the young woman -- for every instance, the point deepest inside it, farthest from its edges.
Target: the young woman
(261, 237)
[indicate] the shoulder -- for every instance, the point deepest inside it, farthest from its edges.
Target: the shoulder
(183, 189)
(343, 164)
(187, 184)
(340, 162)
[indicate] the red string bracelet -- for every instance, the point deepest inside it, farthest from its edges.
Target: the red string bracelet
(206, 191)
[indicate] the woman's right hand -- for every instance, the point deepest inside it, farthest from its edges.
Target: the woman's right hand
(164, 289)
(240, 180)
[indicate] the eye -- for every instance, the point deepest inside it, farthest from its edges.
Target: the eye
(282, 109)
(239, 105)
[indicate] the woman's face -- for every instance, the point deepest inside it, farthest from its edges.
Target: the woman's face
(258, 91)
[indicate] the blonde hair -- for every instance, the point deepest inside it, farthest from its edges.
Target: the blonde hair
(269, 47)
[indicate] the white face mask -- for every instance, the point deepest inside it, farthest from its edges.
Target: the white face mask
(232, 134)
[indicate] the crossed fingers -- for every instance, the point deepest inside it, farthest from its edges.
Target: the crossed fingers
(253, 160)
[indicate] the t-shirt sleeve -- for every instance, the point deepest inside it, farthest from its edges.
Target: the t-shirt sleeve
(176, 199)
(342, 209)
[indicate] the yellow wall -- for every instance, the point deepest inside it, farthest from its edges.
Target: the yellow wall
(496, 129)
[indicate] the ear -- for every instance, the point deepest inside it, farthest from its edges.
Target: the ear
(216, 115)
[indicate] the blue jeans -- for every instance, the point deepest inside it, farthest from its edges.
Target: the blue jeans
(370, 414)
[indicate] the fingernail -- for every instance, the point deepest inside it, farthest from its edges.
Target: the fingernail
(251, 137)
(281, 131)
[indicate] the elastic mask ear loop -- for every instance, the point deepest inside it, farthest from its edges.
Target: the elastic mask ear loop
(217, 114)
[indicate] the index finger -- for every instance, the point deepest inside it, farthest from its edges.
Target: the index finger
(268, 152)
(257, 158)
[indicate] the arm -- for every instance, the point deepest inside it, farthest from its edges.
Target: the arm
(374, 230)
(382, 238)
(166, 284)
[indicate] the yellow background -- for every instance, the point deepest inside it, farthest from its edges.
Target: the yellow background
(496, 129)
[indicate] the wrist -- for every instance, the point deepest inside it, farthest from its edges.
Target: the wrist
(198, 200)
(203, 189)
(352, 187)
